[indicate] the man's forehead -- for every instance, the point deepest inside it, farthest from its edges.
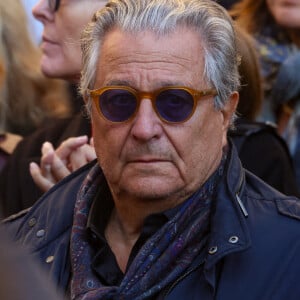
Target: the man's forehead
(143, 57)
(147, 46)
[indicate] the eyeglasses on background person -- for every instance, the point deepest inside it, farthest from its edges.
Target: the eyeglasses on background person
(53, 5)
(172, 104)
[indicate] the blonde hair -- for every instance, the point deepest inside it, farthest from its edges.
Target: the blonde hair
(27, 97)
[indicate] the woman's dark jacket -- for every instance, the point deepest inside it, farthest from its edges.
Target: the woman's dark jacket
(17, 189)
(265, 153)
(253, 250)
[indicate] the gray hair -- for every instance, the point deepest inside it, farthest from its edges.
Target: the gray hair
(208, 18)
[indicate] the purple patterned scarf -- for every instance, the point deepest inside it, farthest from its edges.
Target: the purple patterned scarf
(165, 256)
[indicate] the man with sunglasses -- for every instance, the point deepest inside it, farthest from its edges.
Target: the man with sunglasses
(166, 211)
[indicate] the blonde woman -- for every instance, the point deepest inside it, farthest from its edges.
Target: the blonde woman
(27, 97)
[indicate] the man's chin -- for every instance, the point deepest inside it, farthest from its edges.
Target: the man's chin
(151, 190)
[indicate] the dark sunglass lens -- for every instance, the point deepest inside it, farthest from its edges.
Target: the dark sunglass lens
(175, 105)
(117, 105)
(53, 5)
(57, 3)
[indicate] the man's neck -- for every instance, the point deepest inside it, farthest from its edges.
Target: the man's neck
(126, 222)
(122, 231)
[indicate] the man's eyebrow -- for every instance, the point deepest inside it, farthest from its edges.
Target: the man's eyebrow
(118, 82)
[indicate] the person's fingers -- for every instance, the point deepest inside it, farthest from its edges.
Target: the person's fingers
(47, 148)
(42, 182)
(56, 164)
(52, 167)
(81, 156)
(46, 161)
(59, 169)
(70, 145)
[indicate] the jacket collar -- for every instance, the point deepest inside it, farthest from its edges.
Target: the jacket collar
(35, 226)
(229, 232)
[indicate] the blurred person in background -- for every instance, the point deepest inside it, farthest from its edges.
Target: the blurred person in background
(21, 277)
(27, 98)
(275, 26)
(261, 149)
(286, 96)
(63, 22)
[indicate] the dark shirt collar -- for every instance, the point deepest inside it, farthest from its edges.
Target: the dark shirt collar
(103, 205)
(100, 210)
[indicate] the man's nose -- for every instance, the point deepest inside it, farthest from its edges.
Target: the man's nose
(146, 124)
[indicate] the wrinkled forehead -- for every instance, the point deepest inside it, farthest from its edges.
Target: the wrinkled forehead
(146, 59)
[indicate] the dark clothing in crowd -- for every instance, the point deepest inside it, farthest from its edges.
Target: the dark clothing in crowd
(286, 96)
(17, 189)
(265, 153)
(3, 158)
(248, 220)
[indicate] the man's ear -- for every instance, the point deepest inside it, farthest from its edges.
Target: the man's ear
(229, 109)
